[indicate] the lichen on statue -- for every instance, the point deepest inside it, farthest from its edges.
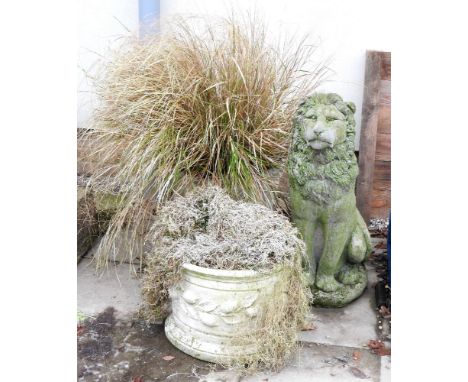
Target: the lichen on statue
(322, 172)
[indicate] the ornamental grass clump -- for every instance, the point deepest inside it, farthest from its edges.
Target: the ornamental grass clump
(195, 104)
(209, 229)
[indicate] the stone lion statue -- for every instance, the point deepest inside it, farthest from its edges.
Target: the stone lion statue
(322, 171)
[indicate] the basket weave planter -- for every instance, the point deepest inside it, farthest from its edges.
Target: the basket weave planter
(214, 311)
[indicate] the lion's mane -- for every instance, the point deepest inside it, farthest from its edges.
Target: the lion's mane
(323, 175)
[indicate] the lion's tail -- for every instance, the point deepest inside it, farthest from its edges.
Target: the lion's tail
(362, 224)
(360, 245)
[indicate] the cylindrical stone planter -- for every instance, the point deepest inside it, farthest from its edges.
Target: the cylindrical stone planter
(214, 311)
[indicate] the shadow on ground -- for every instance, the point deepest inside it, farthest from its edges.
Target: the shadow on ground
(112, 350)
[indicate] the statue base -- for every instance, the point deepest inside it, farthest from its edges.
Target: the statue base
(346, 293)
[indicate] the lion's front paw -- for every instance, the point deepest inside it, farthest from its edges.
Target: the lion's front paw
(350, 274)
(327, 283)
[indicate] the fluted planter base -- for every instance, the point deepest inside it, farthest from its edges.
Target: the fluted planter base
(214, 311)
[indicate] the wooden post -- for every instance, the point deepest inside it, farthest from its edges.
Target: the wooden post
(368, 138)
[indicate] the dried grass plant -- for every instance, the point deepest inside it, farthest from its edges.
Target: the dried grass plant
(209, 229)
(195, 104)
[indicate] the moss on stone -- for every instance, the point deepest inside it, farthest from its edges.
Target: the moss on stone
(106, 204)
(87, 227)
(322, 171)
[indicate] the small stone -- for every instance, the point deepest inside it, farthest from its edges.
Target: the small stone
(221, 376)
(358, 373)
(357, 355)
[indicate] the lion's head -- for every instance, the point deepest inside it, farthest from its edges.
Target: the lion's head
(321, 159)
(324, 121)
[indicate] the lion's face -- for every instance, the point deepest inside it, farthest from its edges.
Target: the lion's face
(323, 126)
(321, 162)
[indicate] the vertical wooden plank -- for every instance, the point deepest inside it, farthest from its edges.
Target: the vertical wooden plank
(368, 138)
(381, 195)
(386, 68)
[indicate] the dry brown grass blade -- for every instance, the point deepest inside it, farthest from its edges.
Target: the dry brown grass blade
(190, 105)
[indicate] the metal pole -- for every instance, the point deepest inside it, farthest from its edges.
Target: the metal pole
(148, 15)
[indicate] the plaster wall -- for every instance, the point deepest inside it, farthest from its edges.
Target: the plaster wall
(100, 22)
(343, 29)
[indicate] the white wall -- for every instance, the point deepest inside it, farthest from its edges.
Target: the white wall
(345, 30)
(99, 22)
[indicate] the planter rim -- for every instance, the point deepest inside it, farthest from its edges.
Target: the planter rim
(228, 273)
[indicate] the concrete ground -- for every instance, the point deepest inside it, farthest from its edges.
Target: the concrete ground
(113, 345)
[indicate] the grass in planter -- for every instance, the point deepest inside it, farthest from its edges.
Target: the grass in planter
(209, 229)
(191, 105)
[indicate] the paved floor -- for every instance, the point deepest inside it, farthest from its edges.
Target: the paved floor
(335, 351)
(117, 287)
